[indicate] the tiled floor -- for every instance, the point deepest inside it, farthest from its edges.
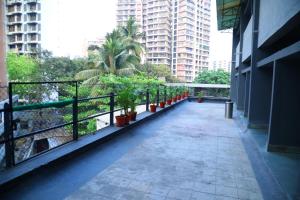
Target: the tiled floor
(195, 154)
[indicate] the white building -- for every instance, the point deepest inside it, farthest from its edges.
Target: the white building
(23, 25)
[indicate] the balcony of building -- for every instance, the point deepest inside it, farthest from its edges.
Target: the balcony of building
(187, 150)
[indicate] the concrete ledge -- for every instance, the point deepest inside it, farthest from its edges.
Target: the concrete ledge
(16, 174)
(210, 99)
(283, 149)
(258, 126)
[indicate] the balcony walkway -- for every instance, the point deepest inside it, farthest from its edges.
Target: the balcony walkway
(194, 153)
(189, 153)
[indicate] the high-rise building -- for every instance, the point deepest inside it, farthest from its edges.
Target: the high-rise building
(177, 32)
(23, 25)
(221, 64)
(190, 41)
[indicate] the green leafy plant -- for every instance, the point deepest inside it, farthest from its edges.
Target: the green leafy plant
(200, 94)
(123, 100)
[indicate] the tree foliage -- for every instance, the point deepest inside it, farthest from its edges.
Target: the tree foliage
(157, 71)
(21, 67)
(213, 77)
(59, 68)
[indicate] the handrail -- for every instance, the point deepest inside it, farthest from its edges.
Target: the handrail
(43, 105)
(10, 123)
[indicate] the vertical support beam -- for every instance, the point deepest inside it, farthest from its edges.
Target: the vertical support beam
(259, 97)
(241, 78)
(157, 97)
(165, 93)
(3, 71)
(10, 129)
(235, 41)
(147, 100)
(75, 118)
(9, 151)
(111, 108)
(284, 125)
(247, 84)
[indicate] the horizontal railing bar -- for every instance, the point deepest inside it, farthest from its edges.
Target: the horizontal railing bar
(94, 98)
(93, 116)
(38, 82)
(97, 115)
(43, 105)
(42, 131)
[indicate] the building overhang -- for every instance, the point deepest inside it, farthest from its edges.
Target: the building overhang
(228, 13)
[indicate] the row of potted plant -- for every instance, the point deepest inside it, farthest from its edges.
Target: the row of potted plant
(173, 95)
(128, 96)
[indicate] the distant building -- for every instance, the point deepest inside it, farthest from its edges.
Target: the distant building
(177, 32)
(221, 64)
(23, 25)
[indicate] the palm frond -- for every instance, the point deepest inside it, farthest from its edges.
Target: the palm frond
(87, 74)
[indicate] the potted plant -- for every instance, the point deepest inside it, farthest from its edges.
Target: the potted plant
(169, 96)
(132, 114)
(152, 100)
(200, 96)
(162, 104)
(123, 101)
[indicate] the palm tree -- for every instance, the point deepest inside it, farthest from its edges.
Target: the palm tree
(113, 57)
(132, 37)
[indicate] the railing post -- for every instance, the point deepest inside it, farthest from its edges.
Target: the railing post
(157, 97)
(147, 100)
(165, 93)
(9, 147)
(111, 108)
(75, 118)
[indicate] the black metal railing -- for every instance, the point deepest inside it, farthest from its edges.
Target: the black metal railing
(54, 111)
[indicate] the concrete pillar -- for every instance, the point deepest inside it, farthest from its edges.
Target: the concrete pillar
(3, 73)
(260, 81)
(241, 78)
(247, 85)
(233, 85)
(284, 129)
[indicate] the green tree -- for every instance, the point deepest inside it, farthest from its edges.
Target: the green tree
(59, 68)
(131, 37)
(213, 77)
(157, 71)
(113, 58)
(21, 67)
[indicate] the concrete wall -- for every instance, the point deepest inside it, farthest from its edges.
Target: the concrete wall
(3, 75)
(284, 130)
(273, 15)
(247, 40)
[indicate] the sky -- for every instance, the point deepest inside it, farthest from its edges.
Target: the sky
(71, 23)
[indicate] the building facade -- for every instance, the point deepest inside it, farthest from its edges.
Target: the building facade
(221, 64)
(265, 66)
(23, 25)
(177, 33)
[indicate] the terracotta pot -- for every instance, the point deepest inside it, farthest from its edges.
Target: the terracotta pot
(132, 116)
(162, 104)
(182, 96)
(152, 108)
(178, 97)
(169, 101)
(121, 120)
(200, 100)
(174, 99)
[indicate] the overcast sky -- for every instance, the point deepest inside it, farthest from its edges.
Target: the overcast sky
(69, 24)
